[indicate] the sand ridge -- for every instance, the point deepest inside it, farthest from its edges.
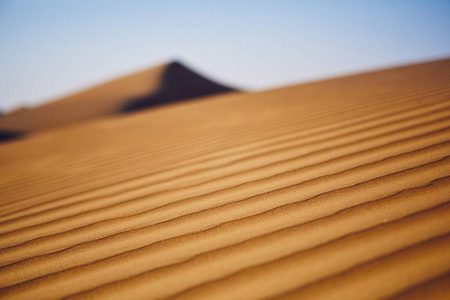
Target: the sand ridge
(327, 189)
(158, 85)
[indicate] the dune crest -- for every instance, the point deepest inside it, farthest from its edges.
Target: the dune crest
(177, 83)
(155, 86)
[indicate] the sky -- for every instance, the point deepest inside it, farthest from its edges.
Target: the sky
(50, 48)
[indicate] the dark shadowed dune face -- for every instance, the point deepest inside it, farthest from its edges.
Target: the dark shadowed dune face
(177, 83)
(9, 135)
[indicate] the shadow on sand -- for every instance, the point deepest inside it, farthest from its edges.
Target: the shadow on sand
(177, 83)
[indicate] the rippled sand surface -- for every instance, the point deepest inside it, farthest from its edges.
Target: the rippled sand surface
(337, 189)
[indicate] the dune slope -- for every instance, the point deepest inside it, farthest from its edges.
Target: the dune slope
(337, 189)
(159, 85)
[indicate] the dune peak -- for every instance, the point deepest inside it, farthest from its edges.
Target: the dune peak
(150, 87)
(177, 82)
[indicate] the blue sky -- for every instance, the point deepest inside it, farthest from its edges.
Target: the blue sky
(49, 48)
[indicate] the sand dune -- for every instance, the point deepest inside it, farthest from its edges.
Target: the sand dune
(337, 189)
(6, 135)
(163, 84)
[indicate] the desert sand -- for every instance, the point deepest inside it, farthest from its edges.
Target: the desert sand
(153, 86)
(336, 189)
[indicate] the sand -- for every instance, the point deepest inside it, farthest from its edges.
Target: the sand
(337, 189)
(163, 84)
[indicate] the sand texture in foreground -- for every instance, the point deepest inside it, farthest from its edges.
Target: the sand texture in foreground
(337, 189)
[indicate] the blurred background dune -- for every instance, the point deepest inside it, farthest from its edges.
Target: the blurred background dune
(51, 49)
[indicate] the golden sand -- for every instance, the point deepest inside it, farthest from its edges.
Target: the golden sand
(337, 189)
(154, 86)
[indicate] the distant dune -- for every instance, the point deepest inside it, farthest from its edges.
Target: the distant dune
(336, 189)
(6, 135)
(155, 86)
(176, 83)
